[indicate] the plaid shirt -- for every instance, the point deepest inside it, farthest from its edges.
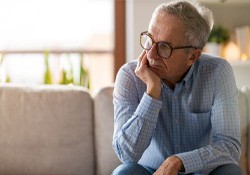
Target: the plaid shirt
(197, 121)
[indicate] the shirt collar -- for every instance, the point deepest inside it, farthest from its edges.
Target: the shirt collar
(187, 79)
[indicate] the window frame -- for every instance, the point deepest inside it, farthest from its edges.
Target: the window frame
(120, 40)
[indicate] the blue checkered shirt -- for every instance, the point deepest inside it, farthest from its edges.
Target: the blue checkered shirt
(197, 121)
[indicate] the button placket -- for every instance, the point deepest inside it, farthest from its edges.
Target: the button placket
(176, 123)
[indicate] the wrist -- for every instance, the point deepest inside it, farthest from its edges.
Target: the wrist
(182, 168)
(154, 91)
(180, 165)
(177, 163)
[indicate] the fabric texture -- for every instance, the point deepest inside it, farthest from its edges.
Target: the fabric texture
(106, 160)
(197, 121)
(242, 104)
(46, 130)
(246, 91)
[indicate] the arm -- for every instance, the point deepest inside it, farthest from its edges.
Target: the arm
(225, 137)
(135, 115)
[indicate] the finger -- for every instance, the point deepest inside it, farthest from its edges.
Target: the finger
(143, 53)
(144, 60)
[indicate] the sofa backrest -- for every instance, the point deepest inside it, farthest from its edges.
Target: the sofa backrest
(106, 160)
(46, 130)
(61, 130)
(243, 113)
(246, 125)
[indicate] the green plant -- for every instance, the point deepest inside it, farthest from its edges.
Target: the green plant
(219, 35)
(47, 78)
(7, 77)
(67, 73)
(84, 74)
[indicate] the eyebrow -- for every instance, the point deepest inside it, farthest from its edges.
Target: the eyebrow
(161, 41)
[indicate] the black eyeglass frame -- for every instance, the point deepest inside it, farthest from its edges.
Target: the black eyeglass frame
(162, 42)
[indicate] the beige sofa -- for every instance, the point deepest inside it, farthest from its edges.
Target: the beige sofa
(46, 130)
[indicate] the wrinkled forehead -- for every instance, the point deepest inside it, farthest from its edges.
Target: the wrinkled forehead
(166, 17)
(164, 20)
(167, 27)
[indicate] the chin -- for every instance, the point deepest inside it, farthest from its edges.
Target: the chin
(157, 70)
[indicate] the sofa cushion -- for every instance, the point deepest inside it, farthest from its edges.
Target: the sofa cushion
(246, 91)
(46, 130)
(242, 104)
(106, 160)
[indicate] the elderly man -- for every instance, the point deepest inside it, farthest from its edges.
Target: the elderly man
(175, 107)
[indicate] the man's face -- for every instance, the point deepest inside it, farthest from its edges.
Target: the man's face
(169, 29)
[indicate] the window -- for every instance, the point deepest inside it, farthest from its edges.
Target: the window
(65, 33)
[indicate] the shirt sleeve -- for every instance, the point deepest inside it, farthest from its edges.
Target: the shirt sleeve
(225, 135)
(135, 118)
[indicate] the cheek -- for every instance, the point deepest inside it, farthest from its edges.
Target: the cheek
(175, 65)
(171, 63)
(148, 53)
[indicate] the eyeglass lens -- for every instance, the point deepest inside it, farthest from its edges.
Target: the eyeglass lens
(163, 49)
(146, 42)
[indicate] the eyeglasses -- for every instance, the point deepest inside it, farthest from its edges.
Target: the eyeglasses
(163, 48)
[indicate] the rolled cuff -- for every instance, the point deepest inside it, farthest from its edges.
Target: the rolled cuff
(192, 161)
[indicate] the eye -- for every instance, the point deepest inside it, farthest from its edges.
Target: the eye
(146, 42)
(164, 50)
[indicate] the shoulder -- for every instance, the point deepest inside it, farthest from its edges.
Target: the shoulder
(127, 83)
(127, 70)
(126, 73)
(212, 63)
(215, 69)
(129, 66)
(210, 69)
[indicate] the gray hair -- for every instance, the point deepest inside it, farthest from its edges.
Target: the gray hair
(197, 19)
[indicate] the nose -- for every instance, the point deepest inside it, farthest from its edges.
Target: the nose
(152, 53)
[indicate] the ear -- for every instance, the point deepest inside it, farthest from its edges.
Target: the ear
(194, 56)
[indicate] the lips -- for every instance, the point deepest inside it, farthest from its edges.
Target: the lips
(154, 66)
(155, 63)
